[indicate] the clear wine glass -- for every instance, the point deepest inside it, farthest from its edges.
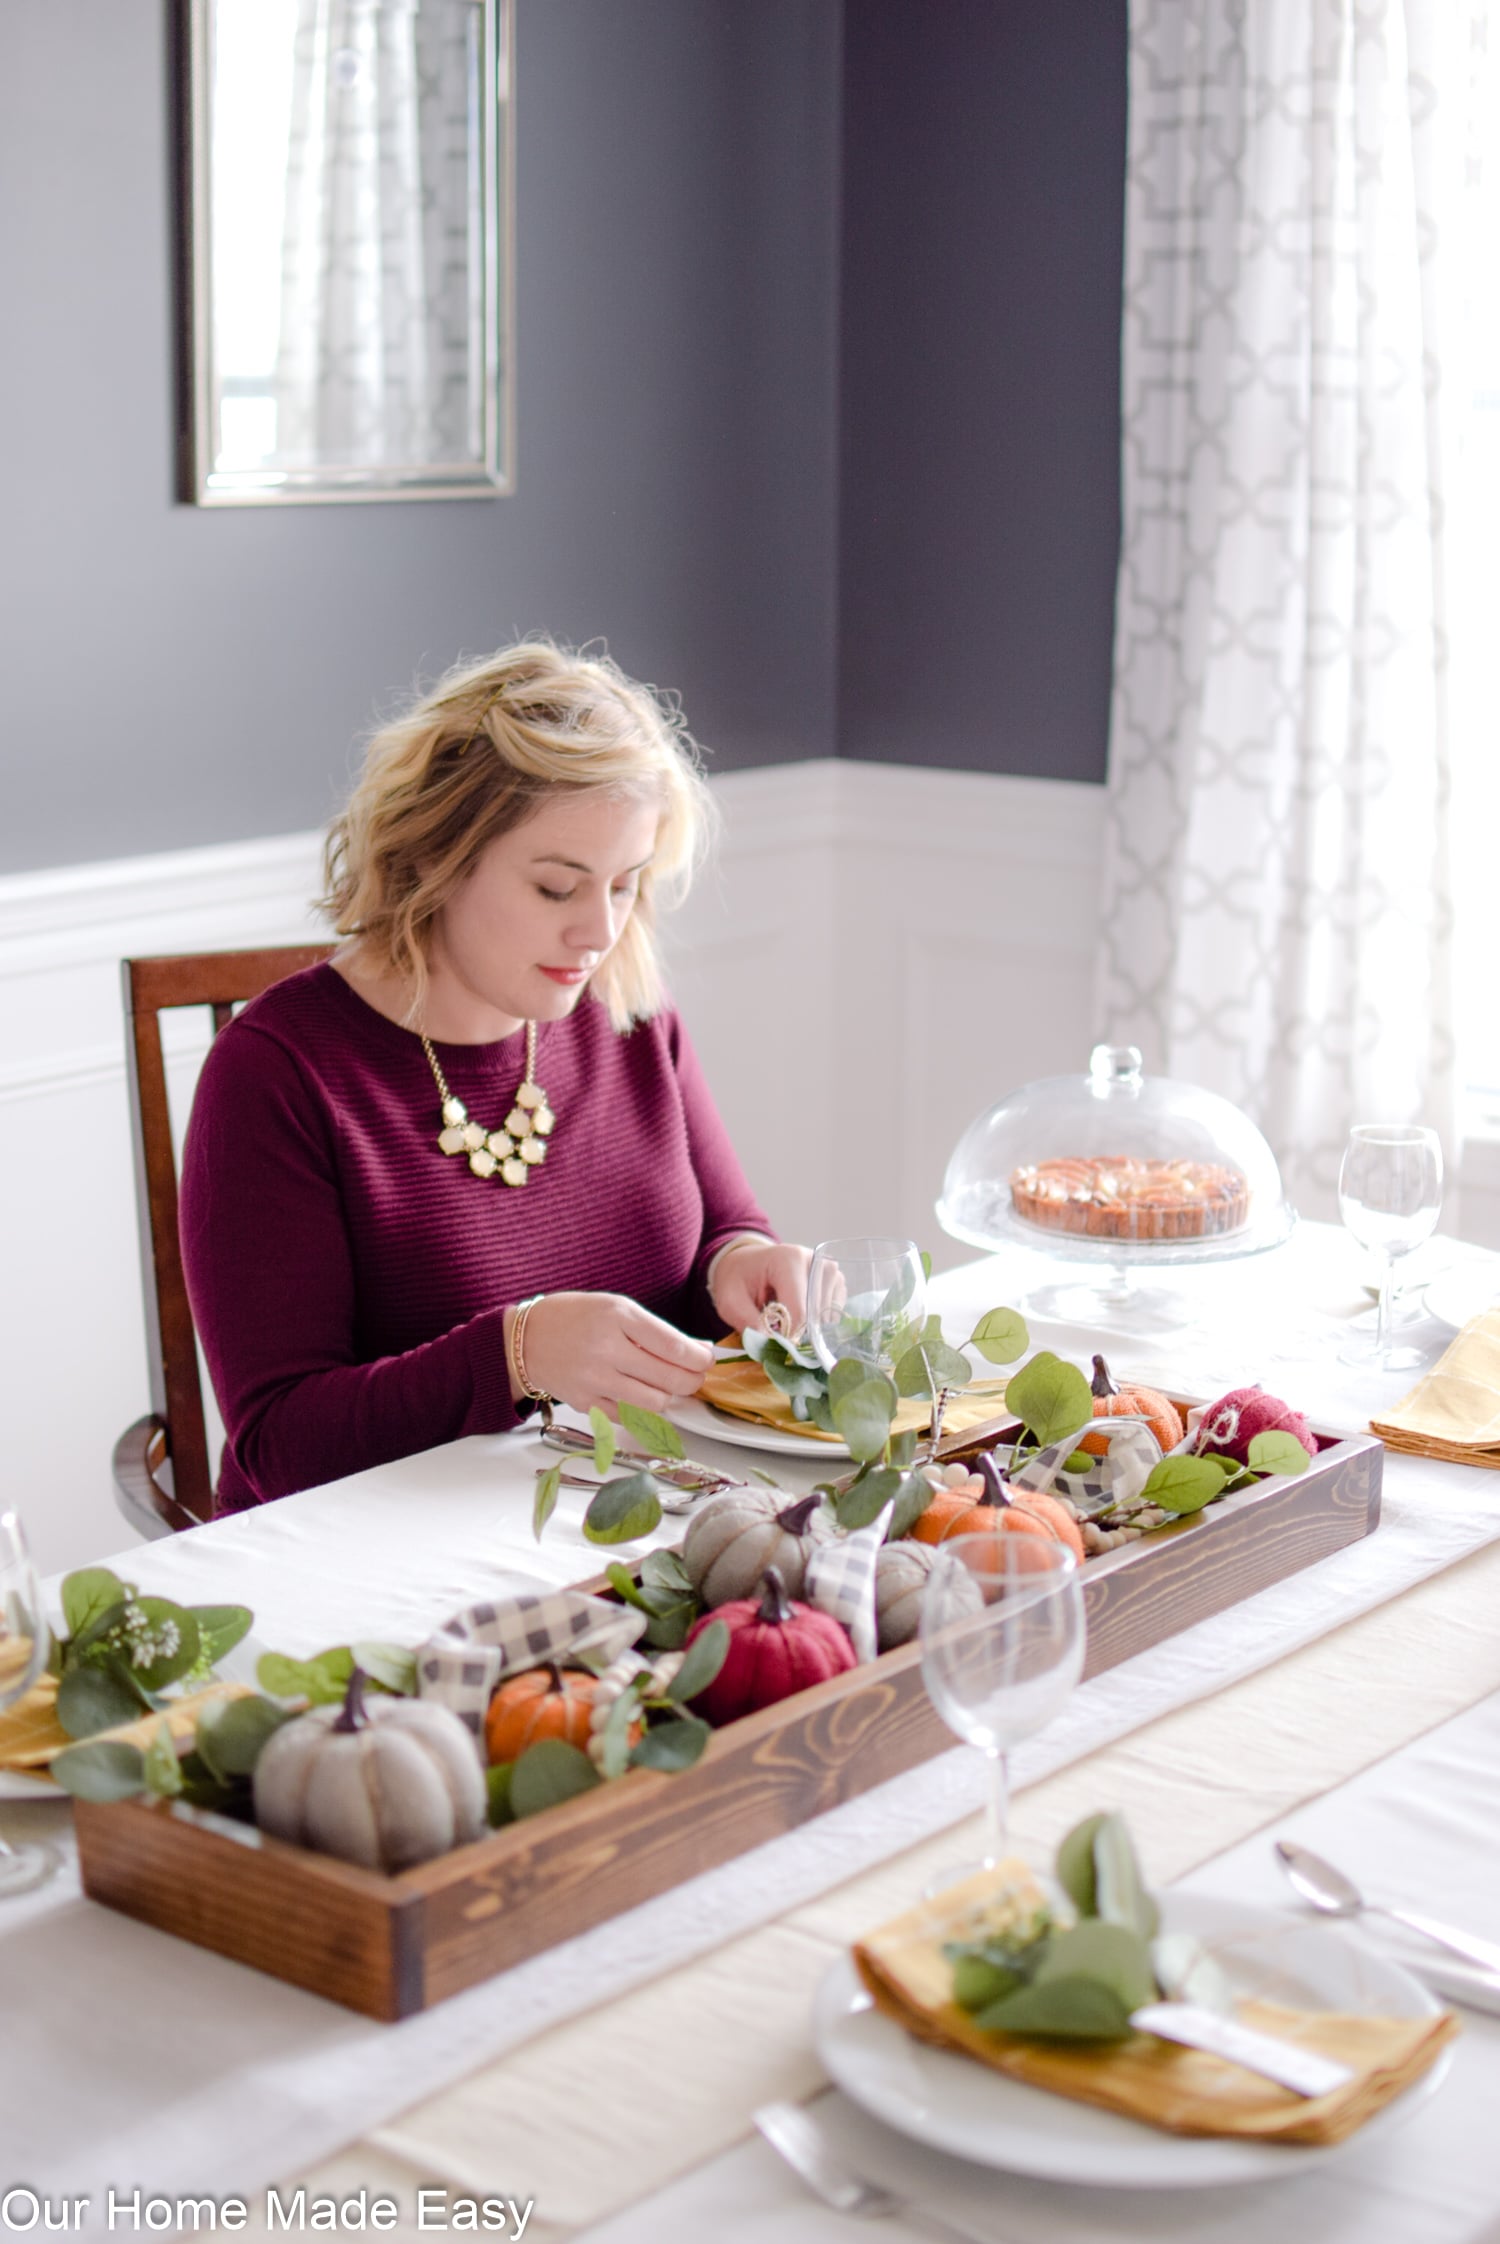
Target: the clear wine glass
(866, 1298)
(1002, 1637)
(1390, 1195)
(24, 1642)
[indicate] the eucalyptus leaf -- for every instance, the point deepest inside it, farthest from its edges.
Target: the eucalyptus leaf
(1074, 1865)
(705, 1656)
(231, 1733)
(97, 1696)
(393, 1667)
(109, 1770)
(1052, 1398)
(498, 1809)
(864, 1417)
(159, 1764)
(614, 1743)
(1079, 1462)
(623, 1583)
(980, 1980)
(1001, 1336)
(1111, 1953)
(667, 1629)
(671, 1746)
(220, 1628)
(1183, 1484)
(544, 1502)
(548, 1773)
(322, 1681)
(1277, 1452)
(912, 1499)
(866, 1497)
(847, 1374)
(913, 1374)
(98, 1630)
(795, 1380)
(88, 1595)
(1121, 1894)
(625, 1508)
(1060, 2010)
(606, 1440)
(665, 1570)
(656, 1435)
(904, 1448)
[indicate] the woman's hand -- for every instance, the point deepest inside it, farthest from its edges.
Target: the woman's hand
(588, 1349)
(752, 1273)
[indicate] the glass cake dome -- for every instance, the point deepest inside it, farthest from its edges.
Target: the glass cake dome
(1118, 1168)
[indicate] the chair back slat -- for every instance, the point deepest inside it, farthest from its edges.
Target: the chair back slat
(220, 980)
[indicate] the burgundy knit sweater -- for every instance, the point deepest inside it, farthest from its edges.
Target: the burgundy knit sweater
(349, 1280)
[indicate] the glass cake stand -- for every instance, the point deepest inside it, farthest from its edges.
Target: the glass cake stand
(1113, 1110)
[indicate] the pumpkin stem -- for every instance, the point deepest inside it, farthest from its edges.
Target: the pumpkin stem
(1102, 1384)
(994, 1483)
(775, 1606)
(794, 1519)
(355, 1714)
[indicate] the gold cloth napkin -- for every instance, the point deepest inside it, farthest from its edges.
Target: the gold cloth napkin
(31, 1735)
(742, 1390)
(1453, 1412)
(1183, 2091)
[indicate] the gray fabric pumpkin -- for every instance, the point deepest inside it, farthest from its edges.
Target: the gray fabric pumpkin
(733, 1538)
(387, 1782)
(901, 1571)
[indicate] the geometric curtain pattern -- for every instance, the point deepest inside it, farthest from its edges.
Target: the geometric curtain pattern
(1277, 905)
(381, 355)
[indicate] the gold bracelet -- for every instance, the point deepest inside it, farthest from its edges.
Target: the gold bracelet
(515, 1350)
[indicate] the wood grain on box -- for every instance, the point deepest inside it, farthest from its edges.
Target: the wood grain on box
(390, 1946)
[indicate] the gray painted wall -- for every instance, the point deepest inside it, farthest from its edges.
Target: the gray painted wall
(884, 528)
(984, 159)
(174, 676)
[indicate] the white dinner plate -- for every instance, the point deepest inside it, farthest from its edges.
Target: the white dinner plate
(956, 2104)
(695, 1416)
(1465, 1291)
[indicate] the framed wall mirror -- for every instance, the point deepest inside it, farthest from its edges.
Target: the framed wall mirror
(346, 249)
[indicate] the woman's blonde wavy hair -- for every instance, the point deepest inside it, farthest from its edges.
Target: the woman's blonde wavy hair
(481, 755)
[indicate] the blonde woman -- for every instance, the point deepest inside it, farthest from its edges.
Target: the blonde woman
(472, 1160)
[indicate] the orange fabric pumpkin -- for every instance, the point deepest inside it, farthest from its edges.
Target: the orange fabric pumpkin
(1111, 1401)
(545, 1702)
(1026, 1511)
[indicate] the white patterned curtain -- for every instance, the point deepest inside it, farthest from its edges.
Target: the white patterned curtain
(379, 362)
(1277, 904)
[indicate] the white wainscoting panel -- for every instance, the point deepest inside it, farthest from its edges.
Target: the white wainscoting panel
(878, 953)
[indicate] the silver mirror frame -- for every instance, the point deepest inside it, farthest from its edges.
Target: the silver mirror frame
(198, 382)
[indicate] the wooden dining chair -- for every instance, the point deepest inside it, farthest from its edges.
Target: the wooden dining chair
(161, 1468)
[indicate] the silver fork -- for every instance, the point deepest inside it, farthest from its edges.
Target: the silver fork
(796, 2136)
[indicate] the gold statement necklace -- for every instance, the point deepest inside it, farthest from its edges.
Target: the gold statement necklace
(510, 1153)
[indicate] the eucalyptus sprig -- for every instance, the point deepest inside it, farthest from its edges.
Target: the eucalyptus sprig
(628, 1506)
(122, 1652)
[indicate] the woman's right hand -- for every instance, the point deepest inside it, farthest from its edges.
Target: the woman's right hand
(602, 1349)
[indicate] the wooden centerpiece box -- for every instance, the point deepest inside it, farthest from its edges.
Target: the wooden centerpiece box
(391, 1946)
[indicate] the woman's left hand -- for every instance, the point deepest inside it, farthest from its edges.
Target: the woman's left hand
(754, 1272)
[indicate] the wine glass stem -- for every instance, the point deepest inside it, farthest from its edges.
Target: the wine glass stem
(997, 1818)
(1383, 1312)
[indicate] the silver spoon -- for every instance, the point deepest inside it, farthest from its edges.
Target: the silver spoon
(1337, 1896)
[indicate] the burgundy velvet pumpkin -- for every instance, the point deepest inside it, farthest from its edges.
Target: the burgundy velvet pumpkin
(775, 1648)
(1229, 1425)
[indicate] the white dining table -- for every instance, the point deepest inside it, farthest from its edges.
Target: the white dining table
(610, 2083)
